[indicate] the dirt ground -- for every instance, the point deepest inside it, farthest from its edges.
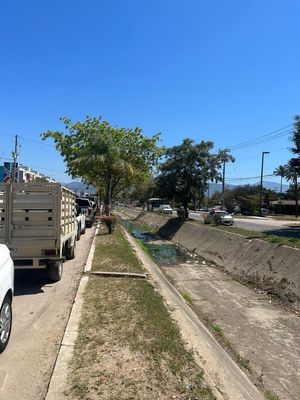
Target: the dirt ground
(262, 336)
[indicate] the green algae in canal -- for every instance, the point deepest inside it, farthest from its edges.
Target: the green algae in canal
(163, 252)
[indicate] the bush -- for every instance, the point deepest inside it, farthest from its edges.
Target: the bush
(109, 221)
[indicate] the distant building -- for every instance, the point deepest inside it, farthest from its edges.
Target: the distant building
(23, 173)
(286, 207)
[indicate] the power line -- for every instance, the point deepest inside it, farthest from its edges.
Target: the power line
(6, 159)
(36, 141)
(5, 134)
(248, 178)
(264, 138)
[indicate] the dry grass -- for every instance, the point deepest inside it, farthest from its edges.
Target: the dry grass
(128, 346)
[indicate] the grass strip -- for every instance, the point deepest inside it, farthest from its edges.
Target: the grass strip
(128, 346)
(279, 240)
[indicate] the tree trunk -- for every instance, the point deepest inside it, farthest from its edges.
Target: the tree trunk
(107, 204)
(185, 205)
(296, 198)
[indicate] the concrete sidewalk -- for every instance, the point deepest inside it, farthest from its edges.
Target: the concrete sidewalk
(57, 384)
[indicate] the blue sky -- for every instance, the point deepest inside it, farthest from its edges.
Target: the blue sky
(209, 70)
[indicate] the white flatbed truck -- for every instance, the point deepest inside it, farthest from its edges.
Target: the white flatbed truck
(38, 225)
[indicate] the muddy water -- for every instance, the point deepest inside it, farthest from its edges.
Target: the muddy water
(164, 253)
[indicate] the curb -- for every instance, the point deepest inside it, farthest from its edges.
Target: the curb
(59, 376)
(117, 274)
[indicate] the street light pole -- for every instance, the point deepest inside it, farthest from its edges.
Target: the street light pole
(261, 179)
(223, 187)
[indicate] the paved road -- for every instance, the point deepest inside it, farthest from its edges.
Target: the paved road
(267, 225)
(40, 314)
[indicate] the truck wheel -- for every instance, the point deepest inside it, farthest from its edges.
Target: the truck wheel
(78, 233)
(83, 231)
(55, 271)
(5, 323)
(70, 251)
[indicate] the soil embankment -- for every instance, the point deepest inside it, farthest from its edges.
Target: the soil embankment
(272, 268)
(261, 337)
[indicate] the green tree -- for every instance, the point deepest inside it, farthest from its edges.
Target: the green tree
(110, 158)
(292, 173)
(188, 168)
(280, 171)
(40, 179)
(292, 169)
(296, 136)
(245, 197)
(142, 189)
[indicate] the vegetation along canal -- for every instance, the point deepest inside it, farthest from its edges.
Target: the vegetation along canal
(162, 251)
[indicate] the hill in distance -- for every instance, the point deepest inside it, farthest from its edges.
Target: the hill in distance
(80, 187)
(217, 187)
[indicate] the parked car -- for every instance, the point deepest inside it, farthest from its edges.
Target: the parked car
(218, 217)
(80, 220)
(165, 209)
(6, 295)
(87, 209)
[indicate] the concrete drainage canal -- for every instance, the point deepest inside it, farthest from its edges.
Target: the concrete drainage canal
(163, 252)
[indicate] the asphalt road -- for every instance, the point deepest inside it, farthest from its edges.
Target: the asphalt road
(40, 314)
(266, 225)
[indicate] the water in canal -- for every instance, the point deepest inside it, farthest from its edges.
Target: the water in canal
(162, 251)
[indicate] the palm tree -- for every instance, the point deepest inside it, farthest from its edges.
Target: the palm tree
(280, 171)
(292, 172)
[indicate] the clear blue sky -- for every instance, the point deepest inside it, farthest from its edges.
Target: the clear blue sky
(226, 71)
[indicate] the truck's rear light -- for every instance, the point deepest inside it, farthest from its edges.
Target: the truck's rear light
(50, 252)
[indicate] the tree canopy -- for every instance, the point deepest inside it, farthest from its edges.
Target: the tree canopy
(291, 170)
(188, 168)
(110, 158)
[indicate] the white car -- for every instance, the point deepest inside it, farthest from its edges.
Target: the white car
(80, 221)
(87, 209)
(218, 217)
(165, 209)
(6, 295)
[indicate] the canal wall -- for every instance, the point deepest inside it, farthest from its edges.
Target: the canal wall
(270, 267)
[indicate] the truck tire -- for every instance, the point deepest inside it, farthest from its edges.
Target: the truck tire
(78, 233)
(55, 271)
(5, 323)
(70, 250)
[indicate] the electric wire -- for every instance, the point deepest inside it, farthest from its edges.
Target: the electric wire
(261, 139)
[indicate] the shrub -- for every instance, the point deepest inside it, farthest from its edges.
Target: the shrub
(109, 221)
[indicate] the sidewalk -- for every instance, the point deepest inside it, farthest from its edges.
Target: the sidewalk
(57, 384)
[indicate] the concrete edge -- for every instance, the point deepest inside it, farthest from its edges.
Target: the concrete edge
(57, 383)
(229, 382)
(117, 274)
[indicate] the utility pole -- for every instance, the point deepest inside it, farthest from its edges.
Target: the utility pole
(223, 188)
(261, 179)
(207, 194)
(15, 157)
